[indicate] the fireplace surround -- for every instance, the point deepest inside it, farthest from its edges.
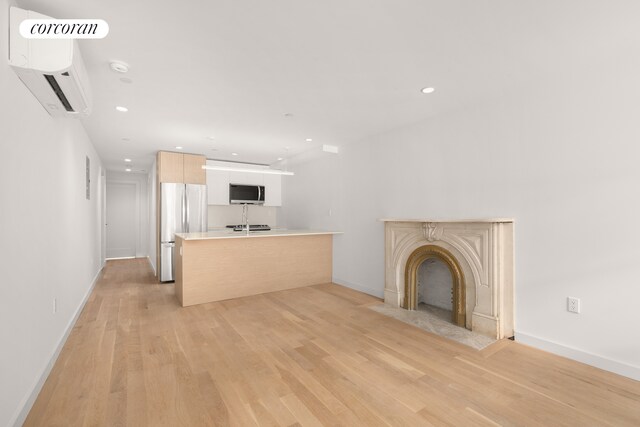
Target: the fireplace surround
(479, 255)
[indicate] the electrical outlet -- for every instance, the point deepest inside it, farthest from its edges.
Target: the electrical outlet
(55, 305)
(573, 304)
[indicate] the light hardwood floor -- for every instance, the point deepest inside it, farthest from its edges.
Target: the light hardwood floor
(306, 356)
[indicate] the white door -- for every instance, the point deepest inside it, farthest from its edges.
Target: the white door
(121, 220)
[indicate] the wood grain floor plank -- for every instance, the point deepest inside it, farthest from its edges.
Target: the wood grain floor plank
(307, 356)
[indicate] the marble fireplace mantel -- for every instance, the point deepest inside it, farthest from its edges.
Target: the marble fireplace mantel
(462, 221)
(483, 248)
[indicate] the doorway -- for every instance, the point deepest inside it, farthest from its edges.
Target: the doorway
(122, 227)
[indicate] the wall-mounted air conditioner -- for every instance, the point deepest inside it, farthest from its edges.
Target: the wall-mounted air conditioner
(52, 69)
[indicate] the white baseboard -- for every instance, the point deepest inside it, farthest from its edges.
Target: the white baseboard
(121, 257)
(363, 289)
(604, 363)
(28, 401)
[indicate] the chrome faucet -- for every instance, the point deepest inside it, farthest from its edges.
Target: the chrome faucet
(245, 217)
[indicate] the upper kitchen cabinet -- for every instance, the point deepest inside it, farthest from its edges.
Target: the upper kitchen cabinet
(181, 168)
(246, 178)
(217, 186)
(272, 190)
(193, 172)
(170, 167)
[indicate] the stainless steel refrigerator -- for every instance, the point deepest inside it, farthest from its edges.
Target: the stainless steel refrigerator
(183, 209)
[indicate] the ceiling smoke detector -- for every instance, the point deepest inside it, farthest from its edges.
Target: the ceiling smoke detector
(119, 66)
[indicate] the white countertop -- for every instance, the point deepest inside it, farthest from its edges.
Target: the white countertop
(447, 220)
(230, 234)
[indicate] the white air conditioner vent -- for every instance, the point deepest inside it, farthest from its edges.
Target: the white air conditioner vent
(52, 69)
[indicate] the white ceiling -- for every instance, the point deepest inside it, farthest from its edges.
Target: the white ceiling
(344, 69)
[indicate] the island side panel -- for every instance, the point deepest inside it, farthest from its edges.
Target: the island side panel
(220, 269)
(178, 269)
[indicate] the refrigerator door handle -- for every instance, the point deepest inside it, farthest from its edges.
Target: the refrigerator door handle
(184, 211)
(186, 202)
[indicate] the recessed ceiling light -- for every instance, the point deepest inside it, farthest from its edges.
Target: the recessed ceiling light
(427, 90)
(122, 109)
(280, 158)
(128, 169)
(308, 139)
(179, 148)
(126, 139)
(234, 154)
(288, 115)
(119, 66)
(127, 160)
(211, 137)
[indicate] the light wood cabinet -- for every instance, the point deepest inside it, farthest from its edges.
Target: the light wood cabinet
(214, 269)
(193, 172)
(181, 168)
(170, 167)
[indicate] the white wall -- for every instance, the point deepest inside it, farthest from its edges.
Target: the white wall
(560, 156)
(51, 235)
(142, 206)
(220, 216)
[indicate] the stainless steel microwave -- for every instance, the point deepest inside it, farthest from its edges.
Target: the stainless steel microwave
(246, 194)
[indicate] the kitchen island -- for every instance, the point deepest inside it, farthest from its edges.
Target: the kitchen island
(220, 265)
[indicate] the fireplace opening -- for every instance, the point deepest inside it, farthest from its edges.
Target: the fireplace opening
(435, 289)
(435, 283)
